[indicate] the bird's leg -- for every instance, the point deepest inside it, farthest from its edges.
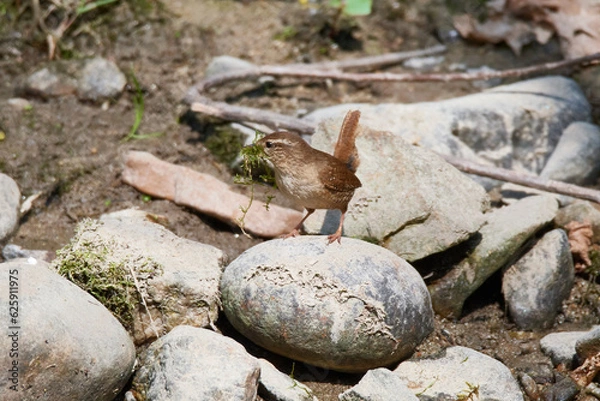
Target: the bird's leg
(296, 229)
(337, 235)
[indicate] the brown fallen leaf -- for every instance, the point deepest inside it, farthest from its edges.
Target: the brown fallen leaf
(204, 193)
(520, 22)
(587, 371)
(580, 240)
(500, 28)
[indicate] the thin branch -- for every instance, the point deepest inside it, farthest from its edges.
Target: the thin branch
(279, 121)
(370, 62)
(527, 180)
(225, 111)
(304, 72)
(373, 62)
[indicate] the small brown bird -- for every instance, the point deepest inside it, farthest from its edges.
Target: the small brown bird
(312, 178)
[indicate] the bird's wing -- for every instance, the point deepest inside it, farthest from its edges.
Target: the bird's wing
(336, 177)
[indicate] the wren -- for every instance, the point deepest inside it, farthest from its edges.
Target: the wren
(312, 178)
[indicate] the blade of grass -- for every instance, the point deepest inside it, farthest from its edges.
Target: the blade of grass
(86, 7)
(139, 107)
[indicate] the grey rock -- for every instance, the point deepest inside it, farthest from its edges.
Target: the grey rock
(12, 251)
(196, 364)
(576, 158)
(67, 345)
(564, 390)
(94, 79)
(100, 79)
(459, 371)
(348, 307)
(580, 211)
(379, 385)
(560, 347)
(177, 278)
(513, 126)
(529, 386)
(506, 231)
(412, 201)
(537, 284)
(19, 103)
(224, 64)
(588, 345)
(274, 385)
(50, 82)
(10, 197)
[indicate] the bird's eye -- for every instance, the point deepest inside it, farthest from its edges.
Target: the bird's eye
(268, 144)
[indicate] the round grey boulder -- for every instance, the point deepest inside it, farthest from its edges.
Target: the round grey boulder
(349, 307)
(59, 342)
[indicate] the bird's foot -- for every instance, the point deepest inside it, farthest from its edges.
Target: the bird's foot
(337, 236)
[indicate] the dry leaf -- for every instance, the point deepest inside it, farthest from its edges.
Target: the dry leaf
(499, 29)
(580, 240)
(519, 22)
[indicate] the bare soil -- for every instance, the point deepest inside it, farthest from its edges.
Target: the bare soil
(72, 152)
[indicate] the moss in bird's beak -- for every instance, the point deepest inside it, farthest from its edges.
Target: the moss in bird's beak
(254, 170)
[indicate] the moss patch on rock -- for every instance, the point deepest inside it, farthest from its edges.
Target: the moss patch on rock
(89, 262)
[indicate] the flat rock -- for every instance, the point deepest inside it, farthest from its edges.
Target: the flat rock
(348, 307)
(178, 278)
(379, 384)
(459, 372)
(411, 201)
(274, 385)
(576, 158)
(10, 198)
(514, 126)
(195, 364)
(560, 347)
(537, 284)
(61, 343)
(506, 231)
(206, 194)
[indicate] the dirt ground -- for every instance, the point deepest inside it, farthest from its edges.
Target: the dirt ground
(72, 152)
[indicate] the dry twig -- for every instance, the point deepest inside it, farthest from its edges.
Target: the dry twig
(527, 180)
(306, 71)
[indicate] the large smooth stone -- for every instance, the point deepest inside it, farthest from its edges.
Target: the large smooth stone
(348, 307)
(58, 343)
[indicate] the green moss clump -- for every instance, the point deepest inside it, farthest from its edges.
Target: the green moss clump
(89, 262)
